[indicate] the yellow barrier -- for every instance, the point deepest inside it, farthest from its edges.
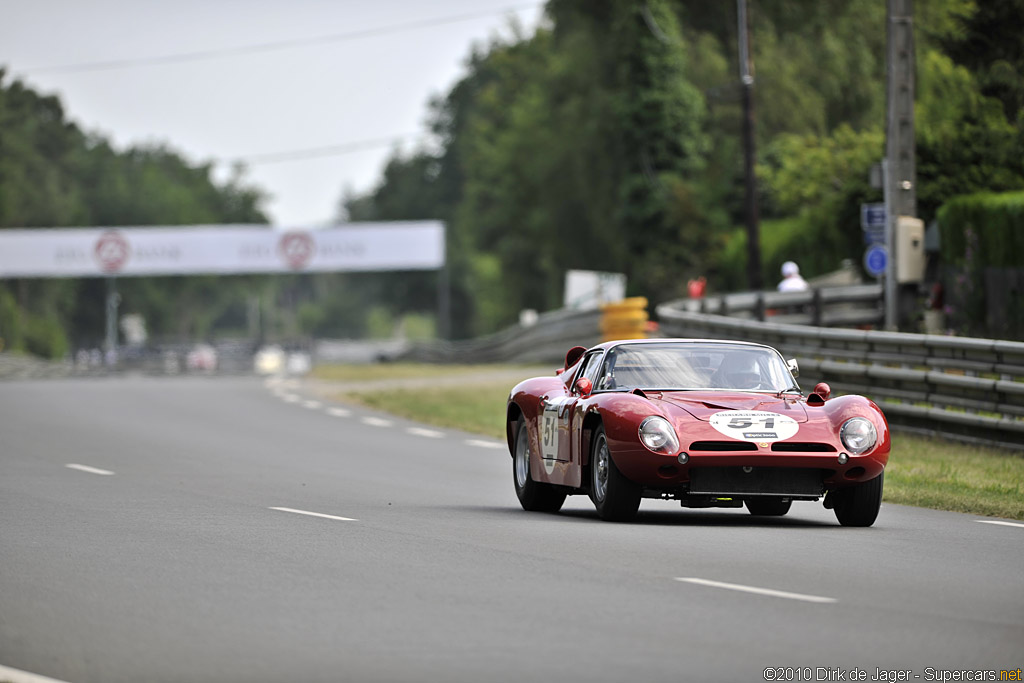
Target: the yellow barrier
(626, 319)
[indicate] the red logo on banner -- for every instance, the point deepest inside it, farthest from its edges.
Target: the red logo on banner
(112, 251)
(297, 249)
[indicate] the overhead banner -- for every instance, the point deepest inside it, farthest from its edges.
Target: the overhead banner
(219, 249)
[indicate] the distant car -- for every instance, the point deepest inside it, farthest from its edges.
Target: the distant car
(709, 423)
(269, 360)
(298, 363)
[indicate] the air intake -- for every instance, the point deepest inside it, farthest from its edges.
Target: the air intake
(731, 446)
(802, 447)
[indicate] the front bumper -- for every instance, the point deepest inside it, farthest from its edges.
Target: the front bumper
(761, 472)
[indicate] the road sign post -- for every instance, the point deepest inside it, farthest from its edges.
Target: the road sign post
(889, 288)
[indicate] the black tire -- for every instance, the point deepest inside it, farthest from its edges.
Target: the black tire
(533, 496)
(858, 505)
(768, 506)
(616, 498)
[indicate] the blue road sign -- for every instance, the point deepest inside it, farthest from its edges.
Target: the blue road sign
(872, 216)
(875, 259)
(874, 236)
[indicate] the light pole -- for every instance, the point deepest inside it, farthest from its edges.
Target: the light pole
(754, 274)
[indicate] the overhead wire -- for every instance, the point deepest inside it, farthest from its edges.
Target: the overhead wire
(255, 48)
(272, 46)
(326, 150)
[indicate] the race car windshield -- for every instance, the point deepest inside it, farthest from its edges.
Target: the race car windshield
(695, 366)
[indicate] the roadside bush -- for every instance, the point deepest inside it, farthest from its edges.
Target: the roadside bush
(45, 337)
(997, 222)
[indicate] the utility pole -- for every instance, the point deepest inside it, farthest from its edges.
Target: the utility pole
(113, 301)
(444, 294)
(900, 173)
(755, 277)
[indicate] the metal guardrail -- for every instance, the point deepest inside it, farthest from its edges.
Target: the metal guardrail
(971, 389)
(843, 306)
(546, 341)
(233, 357)
(19, 367)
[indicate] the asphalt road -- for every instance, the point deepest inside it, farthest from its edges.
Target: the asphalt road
(177, 550)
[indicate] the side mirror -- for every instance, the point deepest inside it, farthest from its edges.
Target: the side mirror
(794, 367)
(575, 353)
(822, 392)
(584, 386)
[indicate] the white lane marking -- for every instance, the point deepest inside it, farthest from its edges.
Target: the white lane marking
(90, 470)
(315, 514)
(376, 422)
(995, 521)
(429, 433)
(290, 398)
(758, 591)
(339, 412)
(484, 444)
(9, 675)
(312, 405)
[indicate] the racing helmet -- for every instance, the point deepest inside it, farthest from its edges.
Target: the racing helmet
(741, 371)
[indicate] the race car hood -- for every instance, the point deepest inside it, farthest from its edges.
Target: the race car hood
(702, 405)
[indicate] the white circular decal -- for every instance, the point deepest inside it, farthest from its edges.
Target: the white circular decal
(754, 425)
(553, 418)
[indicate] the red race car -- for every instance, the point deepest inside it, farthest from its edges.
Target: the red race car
(706, 422)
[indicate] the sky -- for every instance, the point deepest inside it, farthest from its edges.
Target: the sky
(353, 76)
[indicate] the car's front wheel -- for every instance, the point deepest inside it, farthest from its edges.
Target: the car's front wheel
(768, 506)
(533, 496)
(858, 505)
(616, 498)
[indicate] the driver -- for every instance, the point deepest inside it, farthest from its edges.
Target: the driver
(740, 371)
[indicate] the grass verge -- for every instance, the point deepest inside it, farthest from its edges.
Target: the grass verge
(389, 371)
(946, 475)
(924, 472)
(477, 408)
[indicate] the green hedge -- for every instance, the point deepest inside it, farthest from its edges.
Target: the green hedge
(992, 225)
(39, 335)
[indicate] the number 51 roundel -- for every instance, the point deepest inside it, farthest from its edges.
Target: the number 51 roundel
(754, 425)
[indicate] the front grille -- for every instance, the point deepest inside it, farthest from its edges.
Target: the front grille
(722, 446)
(780, 481)
(802, 447)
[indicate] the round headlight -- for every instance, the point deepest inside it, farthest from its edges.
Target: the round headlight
(858, 435)
(657, 434)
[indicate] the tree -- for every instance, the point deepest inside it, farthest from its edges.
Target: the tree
(609, 140)
(661, 117)
(54, 175)
(990, 43)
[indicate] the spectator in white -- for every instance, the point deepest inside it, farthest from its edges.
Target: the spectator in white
(791, 280)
